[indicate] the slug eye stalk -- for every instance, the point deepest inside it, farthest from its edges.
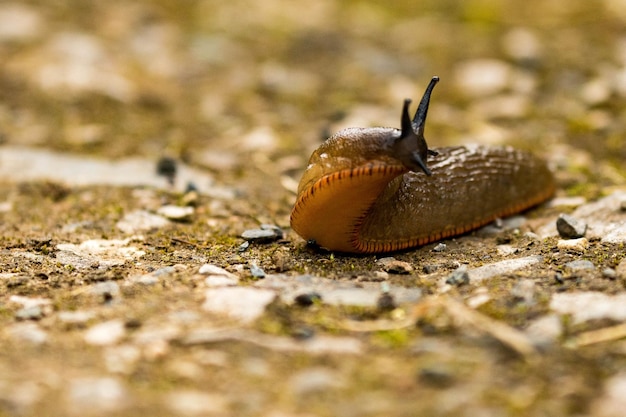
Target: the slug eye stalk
(411, 147)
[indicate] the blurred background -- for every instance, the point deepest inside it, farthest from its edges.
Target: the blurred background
(243, 87)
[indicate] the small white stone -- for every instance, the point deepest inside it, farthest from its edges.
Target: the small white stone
(75, 317)
(103, 394)
(596, 91)
(545, 330)
(107, 333)
(220, 281)
(574, 245)
(243, 303)
(140, 221)
(209, 269)
(590, 305)
(522, 43)
(480, 77)
(177, 213)
(502, 267)
(315, 380)
(195, 403)
(122, 359)
(19, 22)
(506, 250)
(27, 332)
(613, 401)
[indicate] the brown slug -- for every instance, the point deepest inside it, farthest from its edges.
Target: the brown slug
(371, 190)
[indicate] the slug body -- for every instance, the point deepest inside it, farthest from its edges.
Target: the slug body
(369, 190)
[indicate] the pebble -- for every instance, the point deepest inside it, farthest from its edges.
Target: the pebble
(30, 313)
(362, 293)
(141, 221)
(307, 299)
(105, 334)
(609, 273)
(314, 381)
(266, 233)
(481, 77)
(106, 289)
(19, 22)
(506, 250)
(570, 227)
(27, 332)
(458, 277)
(78, 318)
(122, 359)
(243, 303)
(612, 402)
(176, 213)
(502, 267)
(218, 277)
(394, 266)
(579, 245)
(256, 271)
(522, 44)
(545, 330)
(590, 305)
(103, 395)
(98, 252)
(524, 290)
(580, 265)
(385, 302)
(440, 247)
(188, 402)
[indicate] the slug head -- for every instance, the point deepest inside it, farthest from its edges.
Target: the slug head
(410, 147)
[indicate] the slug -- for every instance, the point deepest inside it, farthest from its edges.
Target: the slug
(374, 190)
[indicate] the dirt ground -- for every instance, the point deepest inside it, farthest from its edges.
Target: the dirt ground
(242, 92)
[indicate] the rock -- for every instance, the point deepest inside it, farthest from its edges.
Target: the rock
(609, 273)
(307, 299)
(458, 277)
(98, 252)
(78, 318)
(30, 313)
(88, 394)
(502, 267)
(524, 290)
(261, 235)
(243, 303)
(506, 250)
(256, 272)
(122, 359)
(141, 221)
(187, 402)
(545, 330)
(580, 265)
(108, 290)
(584, 306)
(482, 77)
(105, 334)
(385, 302)
(218, 277)
(393, 266)
(27, 332)
(570, 227)
(612, 402)
(440, 247)
(573, 245)
(176, 213)
(19, 22)
(315, 380)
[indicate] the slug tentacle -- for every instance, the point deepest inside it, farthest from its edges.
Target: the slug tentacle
(362, 191)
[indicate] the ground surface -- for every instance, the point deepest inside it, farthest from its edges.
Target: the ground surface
(112, 305)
